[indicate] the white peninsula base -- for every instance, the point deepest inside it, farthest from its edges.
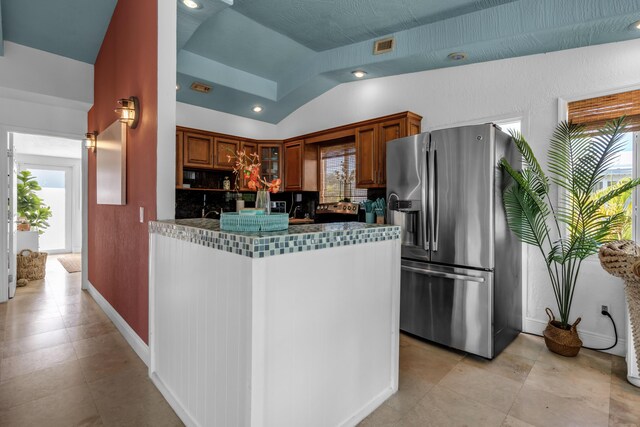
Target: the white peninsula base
(301, 339)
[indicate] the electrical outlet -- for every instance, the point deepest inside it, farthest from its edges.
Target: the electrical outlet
(298, 197)
(604, 308)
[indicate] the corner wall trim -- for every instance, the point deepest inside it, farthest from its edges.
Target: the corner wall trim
(136, 343)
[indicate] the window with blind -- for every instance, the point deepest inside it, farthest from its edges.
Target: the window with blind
(338, 174)
(594, 113)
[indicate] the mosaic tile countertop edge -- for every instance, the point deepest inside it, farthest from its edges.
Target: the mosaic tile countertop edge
(297, 238)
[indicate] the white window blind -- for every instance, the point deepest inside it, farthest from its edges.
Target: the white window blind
(338, 174)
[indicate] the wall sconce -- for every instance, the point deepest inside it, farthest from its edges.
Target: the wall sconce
(129, 111)
(90, 141)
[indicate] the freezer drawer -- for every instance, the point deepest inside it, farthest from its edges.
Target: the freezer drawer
(447, 305)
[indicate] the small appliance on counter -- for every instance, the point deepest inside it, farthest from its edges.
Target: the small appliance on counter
(336, 212)
(278, 207)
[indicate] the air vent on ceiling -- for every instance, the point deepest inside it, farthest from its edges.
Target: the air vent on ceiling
(384, 45)
(200, 87)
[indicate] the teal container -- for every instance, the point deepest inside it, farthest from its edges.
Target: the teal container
(232, 221)
(370, 217)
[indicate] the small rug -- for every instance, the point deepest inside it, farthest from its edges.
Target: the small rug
(72, 262)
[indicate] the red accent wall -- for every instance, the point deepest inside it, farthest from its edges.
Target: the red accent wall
(118, 243)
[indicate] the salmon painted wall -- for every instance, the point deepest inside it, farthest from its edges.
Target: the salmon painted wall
(118, 243)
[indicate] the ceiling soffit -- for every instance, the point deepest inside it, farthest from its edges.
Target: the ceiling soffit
(281, 74)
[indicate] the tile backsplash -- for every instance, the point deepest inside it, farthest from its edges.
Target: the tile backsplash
(192, 203)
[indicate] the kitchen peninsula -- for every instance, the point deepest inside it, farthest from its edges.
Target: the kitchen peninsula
(290, 328)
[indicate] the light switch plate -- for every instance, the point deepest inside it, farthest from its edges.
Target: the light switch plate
(142, 214)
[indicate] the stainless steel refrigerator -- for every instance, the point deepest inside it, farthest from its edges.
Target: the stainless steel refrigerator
(461, 266)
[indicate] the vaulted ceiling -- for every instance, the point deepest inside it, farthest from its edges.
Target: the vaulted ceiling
(280, 54)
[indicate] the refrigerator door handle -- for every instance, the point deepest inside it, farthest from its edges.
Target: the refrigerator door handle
(443, 274)
(431, 193)
(436, 202)
(425, 202)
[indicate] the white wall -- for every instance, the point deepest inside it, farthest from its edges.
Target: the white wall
(216, 121)
(165, 149)
(526, 87)
(40, 93)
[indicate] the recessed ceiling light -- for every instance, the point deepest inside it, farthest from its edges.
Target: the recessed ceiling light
(177, 86)
(257, 109)
(635, 25)
(191, 4)
(457, 56)
(359, 73)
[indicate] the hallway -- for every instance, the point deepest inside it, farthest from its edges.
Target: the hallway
(65, 364)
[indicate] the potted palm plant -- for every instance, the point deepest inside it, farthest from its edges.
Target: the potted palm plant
(569, 231)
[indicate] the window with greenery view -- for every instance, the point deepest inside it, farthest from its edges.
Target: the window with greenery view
(338, 174)
(592, 114)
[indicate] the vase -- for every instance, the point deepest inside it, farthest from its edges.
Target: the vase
(565, 342)
(263, 201)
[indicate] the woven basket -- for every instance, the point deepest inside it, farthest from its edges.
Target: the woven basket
(231, 221)
(564, 342)
(32, 265)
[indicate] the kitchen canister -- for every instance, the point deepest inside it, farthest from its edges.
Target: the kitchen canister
(370, 217)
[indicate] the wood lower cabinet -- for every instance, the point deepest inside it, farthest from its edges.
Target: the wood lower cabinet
(197, 151)
(225, 147)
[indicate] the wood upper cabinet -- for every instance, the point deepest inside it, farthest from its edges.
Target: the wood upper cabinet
(270, 160)
(388, 131)
(197, 151)
(293, 165)
(414, 126)
(225, 147)
(249, 148)
(371, 147)
(367, 148)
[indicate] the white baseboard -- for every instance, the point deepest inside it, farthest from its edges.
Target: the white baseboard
(136, 343)
(369, 407)
(589, 339)
(175, 404)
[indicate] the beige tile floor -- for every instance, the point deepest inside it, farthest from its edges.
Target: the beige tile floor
(63, 363)
(526, 385)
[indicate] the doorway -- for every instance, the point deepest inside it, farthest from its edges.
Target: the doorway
(53, 169)
(56, 193)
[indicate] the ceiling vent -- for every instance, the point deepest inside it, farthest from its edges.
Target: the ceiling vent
(384, 45)
(200, 87)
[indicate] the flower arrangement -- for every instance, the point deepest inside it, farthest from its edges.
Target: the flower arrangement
(248, 166)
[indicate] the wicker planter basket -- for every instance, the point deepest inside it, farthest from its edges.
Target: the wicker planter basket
(31, 266)
(564, 342)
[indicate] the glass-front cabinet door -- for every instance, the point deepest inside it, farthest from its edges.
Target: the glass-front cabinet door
(270, 161)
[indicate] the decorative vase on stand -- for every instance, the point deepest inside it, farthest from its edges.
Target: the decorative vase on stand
(263, 201)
